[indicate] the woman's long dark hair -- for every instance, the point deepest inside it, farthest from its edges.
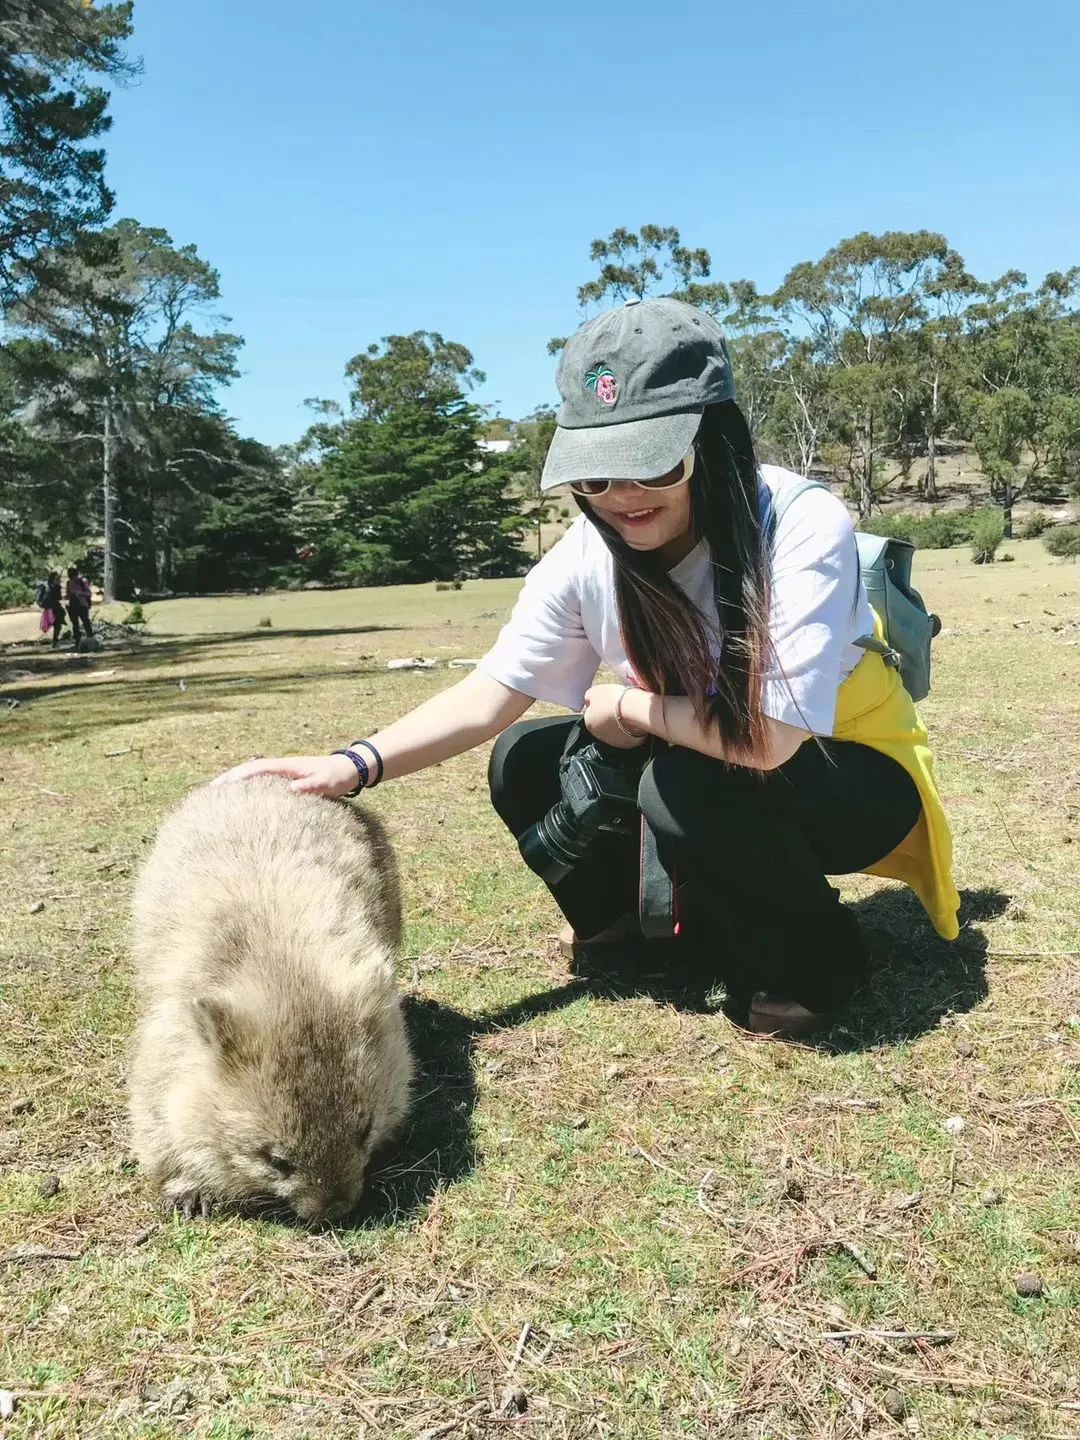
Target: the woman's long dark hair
(663, 633)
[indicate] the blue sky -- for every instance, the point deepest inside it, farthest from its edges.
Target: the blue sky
(355, 169)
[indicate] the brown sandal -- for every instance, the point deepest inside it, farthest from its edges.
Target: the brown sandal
(625, 929)
(783, 1019)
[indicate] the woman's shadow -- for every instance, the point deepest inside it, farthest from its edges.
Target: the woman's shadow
(913, 981)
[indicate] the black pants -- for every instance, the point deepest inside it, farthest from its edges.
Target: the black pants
(79, 614)
(751, 850)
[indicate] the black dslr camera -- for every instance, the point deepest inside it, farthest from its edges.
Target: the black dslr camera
(599, 785)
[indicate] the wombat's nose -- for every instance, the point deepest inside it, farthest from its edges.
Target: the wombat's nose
(336, 1209)
(319, 1206)
(311, 1207)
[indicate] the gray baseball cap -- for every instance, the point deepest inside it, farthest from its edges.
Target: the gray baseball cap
(634, 383)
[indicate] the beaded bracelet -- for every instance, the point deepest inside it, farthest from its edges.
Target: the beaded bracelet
(378, 759)
(363, 775)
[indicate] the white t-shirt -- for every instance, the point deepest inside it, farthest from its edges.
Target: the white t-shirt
(565, 621)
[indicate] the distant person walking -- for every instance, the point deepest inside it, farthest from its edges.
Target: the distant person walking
(78, 602)
(52, 609)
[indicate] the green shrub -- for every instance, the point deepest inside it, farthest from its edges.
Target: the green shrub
(134, 616)
(14, 594)
(987, 532)
(940, 530)
(265, 623)
(1063, 541)
(1034, 525)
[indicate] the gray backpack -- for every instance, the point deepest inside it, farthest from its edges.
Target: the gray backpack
(886, 572)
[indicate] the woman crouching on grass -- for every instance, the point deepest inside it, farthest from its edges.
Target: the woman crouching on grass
(788, 754)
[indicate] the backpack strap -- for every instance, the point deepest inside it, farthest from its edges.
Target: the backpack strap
(878, 647)
(775, 512)
(777, 509)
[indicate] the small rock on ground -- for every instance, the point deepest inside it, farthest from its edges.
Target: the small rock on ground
(1029, 1284)
(173, 1399)
(513, 1401)
(895, 1404)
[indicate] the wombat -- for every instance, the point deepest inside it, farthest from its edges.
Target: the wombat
(271, 1055)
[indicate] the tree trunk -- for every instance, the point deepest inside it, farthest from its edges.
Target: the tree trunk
(866, 477)
(162, 566)
(930, 491)
(108, 487)
(1006, 509)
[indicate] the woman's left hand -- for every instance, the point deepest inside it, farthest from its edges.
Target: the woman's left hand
(599, 716)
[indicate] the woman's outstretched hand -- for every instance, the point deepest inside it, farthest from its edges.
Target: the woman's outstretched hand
(329, 775)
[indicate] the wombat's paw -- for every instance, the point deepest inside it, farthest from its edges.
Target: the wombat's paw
(185, 1197)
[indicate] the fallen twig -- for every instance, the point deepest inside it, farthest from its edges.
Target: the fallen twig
(932, 1337)
(862, 1260)
(831, 1102)
(499, 1351)
(15, 1256)
(369, 1295)
(961, 1382)
(657, 1164)
(519, 1351)
(1008, 836)
(112, 754)
(705, 1207)
(480, 1408)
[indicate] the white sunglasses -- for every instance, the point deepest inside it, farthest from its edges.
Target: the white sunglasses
(679, 476)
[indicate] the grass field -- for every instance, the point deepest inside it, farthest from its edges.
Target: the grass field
(613, 1213)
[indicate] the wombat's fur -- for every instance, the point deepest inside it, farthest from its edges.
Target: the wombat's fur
(270, 1055)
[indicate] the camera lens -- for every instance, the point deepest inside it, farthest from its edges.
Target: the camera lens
(550, 848)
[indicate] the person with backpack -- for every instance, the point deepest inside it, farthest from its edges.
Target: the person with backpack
(79, 598)
(758, 694)
(50, 598)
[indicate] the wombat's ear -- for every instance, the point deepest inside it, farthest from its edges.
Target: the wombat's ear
(219, 1023)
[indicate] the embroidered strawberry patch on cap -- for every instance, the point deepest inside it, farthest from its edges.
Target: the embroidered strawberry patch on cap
(602, 381)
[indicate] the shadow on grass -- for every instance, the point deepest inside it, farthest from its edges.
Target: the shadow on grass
(914, 977)
(166, 647)
(436, 1147)
(20, 654)
(914, 980)
(33, 661)
(130, 702)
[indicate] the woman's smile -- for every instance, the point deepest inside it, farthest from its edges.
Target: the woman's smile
(661, 523)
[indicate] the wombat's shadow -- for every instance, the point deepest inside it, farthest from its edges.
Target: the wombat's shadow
(435, 1146)
(914, 979)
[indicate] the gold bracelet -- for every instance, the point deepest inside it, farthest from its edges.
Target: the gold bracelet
(620, 722)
